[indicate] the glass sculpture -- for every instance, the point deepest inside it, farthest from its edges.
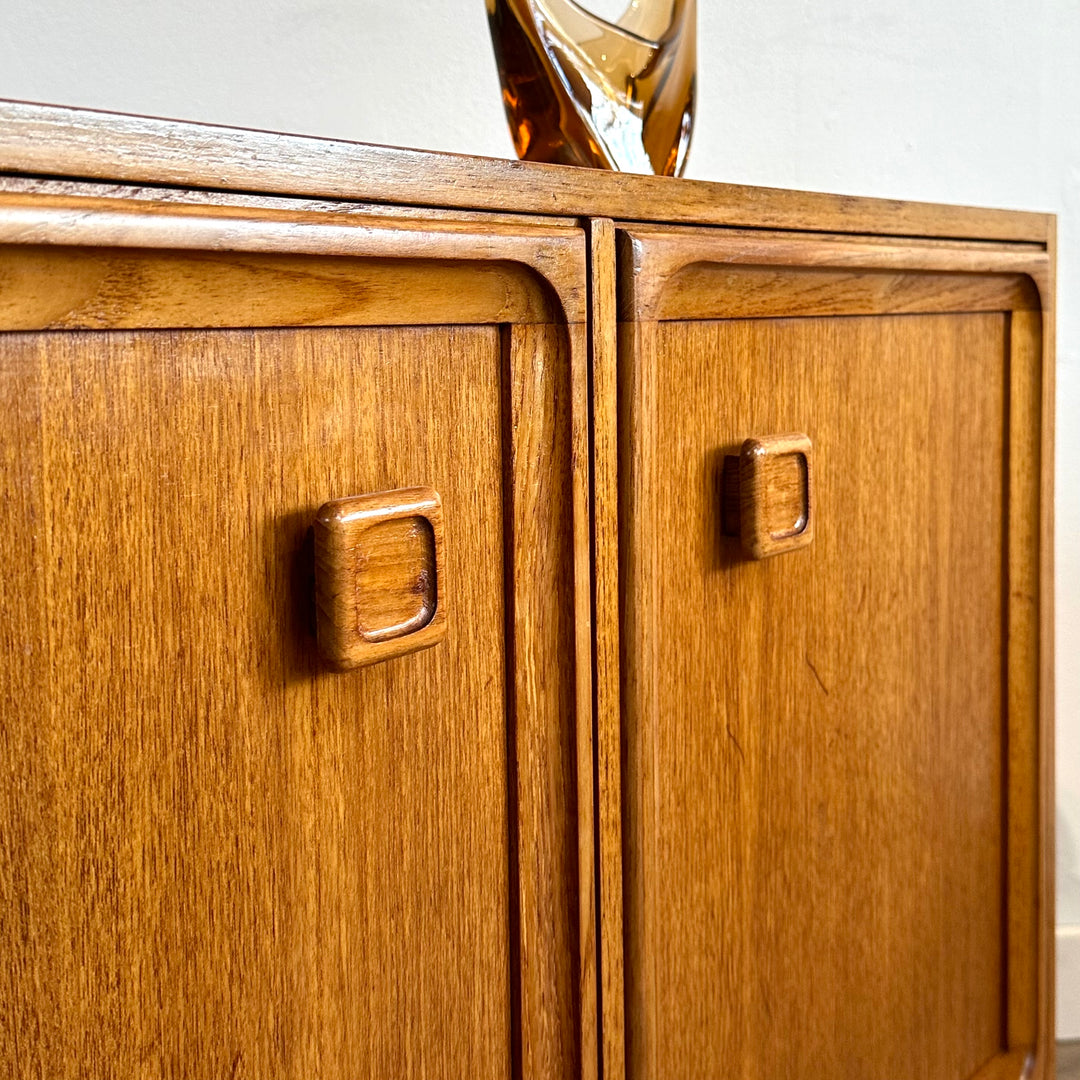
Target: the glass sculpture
(580, 90)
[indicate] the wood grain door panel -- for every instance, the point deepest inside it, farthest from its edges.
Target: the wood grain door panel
(219, 857)
(832, 840)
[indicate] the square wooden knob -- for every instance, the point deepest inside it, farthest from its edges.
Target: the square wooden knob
(380, 587)
(768, 495)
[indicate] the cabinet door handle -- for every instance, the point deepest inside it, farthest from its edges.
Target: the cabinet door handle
(380, 579)
(767, 498)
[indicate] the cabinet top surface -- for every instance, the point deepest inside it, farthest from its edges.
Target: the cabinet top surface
(55, 141)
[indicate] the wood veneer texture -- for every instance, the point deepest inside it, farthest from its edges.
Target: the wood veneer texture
(220, 855)
(56, 141)
(602, 456)
(690, 390)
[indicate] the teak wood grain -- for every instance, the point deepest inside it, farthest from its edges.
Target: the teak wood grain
(814, 852)
(54, 141)
(337, 208)
(649, 808)
(496, 274)
(59, 288)
(695, 274)
(218, 857)
(212, 843)
(380, 576)
(1029, 929)
(746, 940)
(605, 492)
(767, 495)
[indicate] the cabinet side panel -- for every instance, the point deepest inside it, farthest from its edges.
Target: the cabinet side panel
(1024, 963)
(819, 736)
(226, 860)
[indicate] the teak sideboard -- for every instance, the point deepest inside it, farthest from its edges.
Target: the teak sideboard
(473, 619)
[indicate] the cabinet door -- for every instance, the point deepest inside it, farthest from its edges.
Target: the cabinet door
(835, 759)
(219, 857)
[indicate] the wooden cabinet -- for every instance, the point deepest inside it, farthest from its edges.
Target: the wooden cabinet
(222, 857)
(828, 753)
(648, 805)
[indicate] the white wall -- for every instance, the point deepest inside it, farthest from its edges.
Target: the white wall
(967, 101)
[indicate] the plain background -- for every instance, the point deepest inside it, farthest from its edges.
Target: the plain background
(965, 101)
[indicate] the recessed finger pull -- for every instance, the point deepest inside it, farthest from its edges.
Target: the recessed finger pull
(767, 497)
(380, 584)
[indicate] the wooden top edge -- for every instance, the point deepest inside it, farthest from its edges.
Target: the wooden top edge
(58, 141)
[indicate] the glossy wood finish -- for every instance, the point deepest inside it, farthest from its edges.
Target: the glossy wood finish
(696, 274)
(788, 732)
(1028, 919)
(428, 271)
(605, 491)
(596, 884)
(380, 570)
(219, 857)
(340, 209)
(53, 141)
(767, 495)
(555, 867)
(213, 843)
(1014, 1065)
(825, 749)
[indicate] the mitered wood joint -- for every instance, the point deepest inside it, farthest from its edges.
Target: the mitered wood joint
(767, 495)
(379, 576)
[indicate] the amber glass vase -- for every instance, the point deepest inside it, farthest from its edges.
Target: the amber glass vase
(580, 90)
